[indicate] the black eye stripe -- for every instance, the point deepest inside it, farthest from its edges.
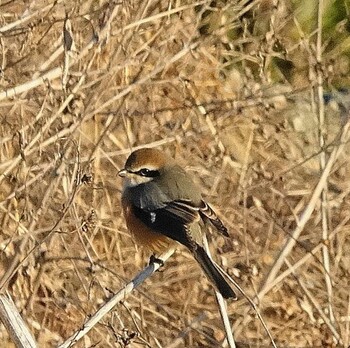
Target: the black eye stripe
(148, 173)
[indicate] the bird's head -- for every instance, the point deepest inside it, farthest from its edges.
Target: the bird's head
(144, 165)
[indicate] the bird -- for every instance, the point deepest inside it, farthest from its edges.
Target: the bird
(163, 206)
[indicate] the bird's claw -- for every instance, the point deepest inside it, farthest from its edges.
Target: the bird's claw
(153, 259)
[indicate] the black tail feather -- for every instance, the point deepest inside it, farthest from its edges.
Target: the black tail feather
(213, 273)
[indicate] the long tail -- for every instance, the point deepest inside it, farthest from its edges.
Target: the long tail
(212, 272)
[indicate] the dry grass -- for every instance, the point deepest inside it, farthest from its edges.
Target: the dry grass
(140, 73)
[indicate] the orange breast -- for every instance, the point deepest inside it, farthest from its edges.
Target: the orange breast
(143, 235)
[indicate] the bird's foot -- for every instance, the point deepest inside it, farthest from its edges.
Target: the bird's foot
(153, 259)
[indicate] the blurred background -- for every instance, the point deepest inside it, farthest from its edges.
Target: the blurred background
(250, 96)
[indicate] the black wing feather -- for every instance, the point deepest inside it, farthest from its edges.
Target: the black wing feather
(167, 222)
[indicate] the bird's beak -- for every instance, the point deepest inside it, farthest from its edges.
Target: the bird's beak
(122, 173)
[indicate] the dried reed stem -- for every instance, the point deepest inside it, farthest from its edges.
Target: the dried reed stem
(322, 131)
(306, 214)
(14, 323)
(119, 296)
(222, 307)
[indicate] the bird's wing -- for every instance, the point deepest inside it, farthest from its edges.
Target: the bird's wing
(191, 212)
(177, 210)
(172, 221)
(207, 213)
(184, 210)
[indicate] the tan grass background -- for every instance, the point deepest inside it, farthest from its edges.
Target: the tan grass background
(199, 81)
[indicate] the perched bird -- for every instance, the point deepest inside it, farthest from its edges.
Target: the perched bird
(162, 205)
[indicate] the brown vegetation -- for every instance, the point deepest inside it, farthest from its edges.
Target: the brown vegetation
(204, 86)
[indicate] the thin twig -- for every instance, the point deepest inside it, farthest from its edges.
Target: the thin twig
(23, 20)
(251, 302)
(347, 325)
(324, 195)
(57, 72)
(305, 216)
(316, 305)
(222, 307)
(299, 263)
(119, 296)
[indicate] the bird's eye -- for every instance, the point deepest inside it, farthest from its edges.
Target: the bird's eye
(144, 171)
(148, 172)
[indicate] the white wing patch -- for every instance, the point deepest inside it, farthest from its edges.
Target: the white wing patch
(153, 217)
